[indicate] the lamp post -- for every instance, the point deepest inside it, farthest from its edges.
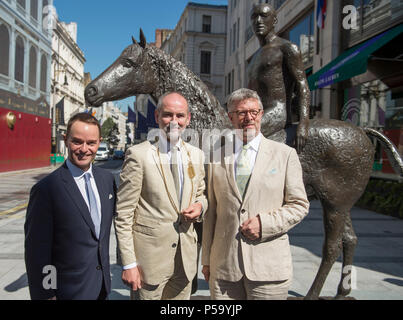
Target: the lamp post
(54, 147)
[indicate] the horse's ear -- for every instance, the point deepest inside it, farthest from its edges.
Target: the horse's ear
(143, 41)
(134, 40)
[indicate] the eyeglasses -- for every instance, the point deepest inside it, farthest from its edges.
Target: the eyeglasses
(242, 114)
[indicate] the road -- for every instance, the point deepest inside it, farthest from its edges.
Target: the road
(378, 259)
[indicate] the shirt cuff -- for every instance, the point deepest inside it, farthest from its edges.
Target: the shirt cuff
(130, 266)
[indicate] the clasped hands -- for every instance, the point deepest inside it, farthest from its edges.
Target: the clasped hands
(192, 213)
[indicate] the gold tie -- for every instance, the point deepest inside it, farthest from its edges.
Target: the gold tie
(243, 171)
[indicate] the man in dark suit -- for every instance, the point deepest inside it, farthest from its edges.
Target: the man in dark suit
(68, 222)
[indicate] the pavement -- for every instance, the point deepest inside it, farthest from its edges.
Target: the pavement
(378, 259)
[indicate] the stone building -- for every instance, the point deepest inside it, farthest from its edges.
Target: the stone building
(353, 61)
(67, 81)
(25, 63)
(198, 40)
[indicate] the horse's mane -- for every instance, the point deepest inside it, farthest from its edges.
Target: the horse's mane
(174, 75)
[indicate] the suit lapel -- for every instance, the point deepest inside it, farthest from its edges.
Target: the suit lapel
(76, 197)
(187, 182)
(263, 158)
(229, 162)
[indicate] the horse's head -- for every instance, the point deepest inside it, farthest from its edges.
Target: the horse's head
(130, 74)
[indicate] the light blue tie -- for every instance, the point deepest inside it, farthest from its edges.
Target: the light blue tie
(93, 204)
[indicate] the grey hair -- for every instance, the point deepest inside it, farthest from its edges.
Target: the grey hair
(161, 98)
(240, 95)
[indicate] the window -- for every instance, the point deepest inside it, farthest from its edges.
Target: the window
(21, 3)
(206, 24)
(34, 9)
(302, 34)
(234, 37)
(205, 62)
(230, 42)
(32, 67)
(229, 83)
(44, 73)
(19, 60)
(4, 50)
(237, 33)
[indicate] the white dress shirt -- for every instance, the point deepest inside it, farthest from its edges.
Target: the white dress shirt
(165, 147)
(78, 176)
(251, 154)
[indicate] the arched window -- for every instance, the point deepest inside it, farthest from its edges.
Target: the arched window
(19, 60)
(4, 49)
(34, 9)
(44, 73)
(32, 67)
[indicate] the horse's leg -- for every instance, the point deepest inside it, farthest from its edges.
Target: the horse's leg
(349, 244)
(334, 221)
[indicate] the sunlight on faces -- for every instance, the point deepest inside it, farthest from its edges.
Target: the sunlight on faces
(82, 143)
(248, 125)
(173, 117)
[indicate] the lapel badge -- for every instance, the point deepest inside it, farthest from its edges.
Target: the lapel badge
(110, 196)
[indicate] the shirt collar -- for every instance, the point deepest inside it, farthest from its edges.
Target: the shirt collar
(254, 144)
(76, 172)
(164, 146)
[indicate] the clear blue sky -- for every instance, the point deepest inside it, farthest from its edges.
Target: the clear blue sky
(105, 27)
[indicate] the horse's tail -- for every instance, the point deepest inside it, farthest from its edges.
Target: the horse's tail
(390, 149)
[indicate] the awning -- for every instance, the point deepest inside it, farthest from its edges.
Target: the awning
(352, 62)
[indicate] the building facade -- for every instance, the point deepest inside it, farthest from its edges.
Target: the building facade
(67, 81)
(109, 110)
(353, 61)
(25, 63)
(198, 40)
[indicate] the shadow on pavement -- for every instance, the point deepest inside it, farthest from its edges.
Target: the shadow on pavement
(18, 284)
(377, 248)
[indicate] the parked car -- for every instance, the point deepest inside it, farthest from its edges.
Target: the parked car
(103, 152)
(119, 154)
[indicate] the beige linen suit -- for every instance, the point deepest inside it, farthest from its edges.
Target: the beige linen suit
(275, 192)
(147, 225)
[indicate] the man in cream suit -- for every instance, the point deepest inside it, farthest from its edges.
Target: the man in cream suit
(256, 194)
(161, 194)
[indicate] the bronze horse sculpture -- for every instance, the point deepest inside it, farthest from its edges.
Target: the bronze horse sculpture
(337, 158)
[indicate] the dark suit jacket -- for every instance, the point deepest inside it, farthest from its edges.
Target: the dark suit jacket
(59, 232)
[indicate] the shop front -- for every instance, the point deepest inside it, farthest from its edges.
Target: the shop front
(369, 78)
(25, 132)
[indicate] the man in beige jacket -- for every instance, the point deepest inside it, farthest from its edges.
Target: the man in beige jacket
(161, 194)
(256, 194)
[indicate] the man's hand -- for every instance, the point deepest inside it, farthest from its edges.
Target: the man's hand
(193, 212)
(251, 228)
(302, 135)
(206, 272)
(132, 278)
